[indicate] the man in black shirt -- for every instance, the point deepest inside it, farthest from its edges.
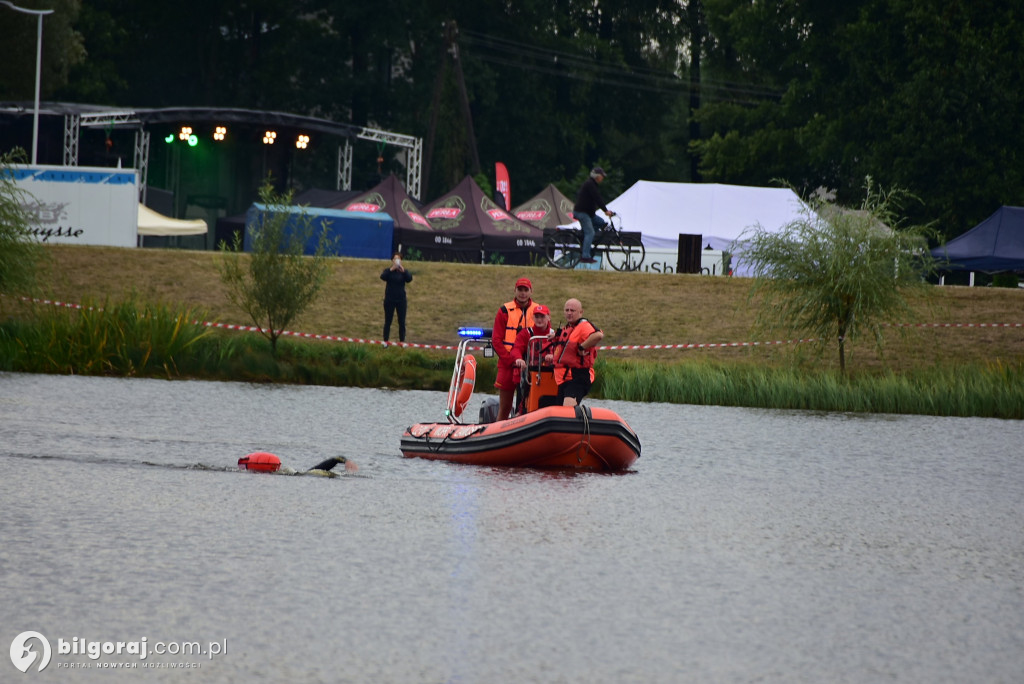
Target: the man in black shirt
(588, 201)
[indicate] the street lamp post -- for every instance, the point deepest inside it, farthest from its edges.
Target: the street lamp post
(39, 63)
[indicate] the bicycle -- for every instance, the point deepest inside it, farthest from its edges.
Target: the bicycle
(623, 251)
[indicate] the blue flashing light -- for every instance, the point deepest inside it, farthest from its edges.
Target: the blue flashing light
(475, 333)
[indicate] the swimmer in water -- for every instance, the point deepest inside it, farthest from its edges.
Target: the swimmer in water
(323, 468)
(268, 463)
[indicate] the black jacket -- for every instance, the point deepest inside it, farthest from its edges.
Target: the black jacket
(588, 199)
(394, 291)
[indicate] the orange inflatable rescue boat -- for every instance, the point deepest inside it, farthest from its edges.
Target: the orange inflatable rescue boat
(539, 435)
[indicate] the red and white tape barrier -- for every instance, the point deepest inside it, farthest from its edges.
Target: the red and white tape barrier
(643, 347)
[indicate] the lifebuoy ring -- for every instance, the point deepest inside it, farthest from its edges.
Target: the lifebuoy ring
(463, 388)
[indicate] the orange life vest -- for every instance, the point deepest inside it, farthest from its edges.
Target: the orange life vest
(572, 354)
(517, 320)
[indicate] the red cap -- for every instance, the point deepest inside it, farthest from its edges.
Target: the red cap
(541, 309)
(524, 282)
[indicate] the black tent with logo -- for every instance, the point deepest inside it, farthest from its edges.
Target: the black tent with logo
(412, 230)
(549, 208)
(475, 229)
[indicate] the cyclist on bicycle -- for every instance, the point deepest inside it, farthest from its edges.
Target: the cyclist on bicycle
(588, 201)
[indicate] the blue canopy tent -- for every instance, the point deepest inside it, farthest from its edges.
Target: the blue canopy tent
(353, 234)
(996, 244)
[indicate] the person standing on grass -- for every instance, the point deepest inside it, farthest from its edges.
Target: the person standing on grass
(512, 317)
(395, 278)
(576, 350)
(588, 201)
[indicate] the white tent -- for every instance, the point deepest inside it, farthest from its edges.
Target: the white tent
(719, 213)
(153, 223)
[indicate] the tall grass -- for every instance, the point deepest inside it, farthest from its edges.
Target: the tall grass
(993, 390)
(122, 339)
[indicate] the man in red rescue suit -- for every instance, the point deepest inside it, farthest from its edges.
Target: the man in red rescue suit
(576, 349)
(512, 317)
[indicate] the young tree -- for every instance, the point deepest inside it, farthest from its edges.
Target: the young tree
(20, 252)
(836, 273)
(277, 282)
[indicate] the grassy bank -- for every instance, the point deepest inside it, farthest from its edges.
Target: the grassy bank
(922, 369)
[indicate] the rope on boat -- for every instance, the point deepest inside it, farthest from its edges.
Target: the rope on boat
(586, 446)
(583, 414)
(423, 432)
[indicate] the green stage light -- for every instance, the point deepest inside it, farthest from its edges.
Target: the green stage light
(169, 139)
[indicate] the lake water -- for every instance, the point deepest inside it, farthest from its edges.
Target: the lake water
(745, 545)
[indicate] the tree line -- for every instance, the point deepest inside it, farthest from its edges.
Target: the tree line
(919, 94)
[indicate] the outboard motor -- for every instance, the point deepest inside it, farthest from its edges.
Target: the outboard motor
(489, 410)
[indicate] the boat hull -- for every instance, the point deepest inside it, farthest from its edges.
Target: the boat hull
(579, 438)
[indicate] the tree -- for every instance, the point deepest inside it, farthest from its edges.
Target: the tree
(20, 252)
(911, 92)
(62, 49)
(279, 282)
(835, 272)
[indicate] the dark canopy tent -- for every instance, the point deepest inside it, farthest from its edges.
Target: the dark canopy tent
(996, 244)
(474, 228)
(547, 209)
(412, 230)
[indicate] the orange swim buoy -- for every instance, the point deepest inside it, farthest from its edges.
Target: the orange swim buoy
(260, 461)
(464, 385)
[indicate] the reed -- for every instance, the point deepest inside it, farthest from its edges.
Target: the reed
(993, 390)
(124, 339)
(250, 358)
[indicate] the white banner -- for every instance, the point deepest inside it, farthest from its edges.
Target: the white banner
(664, 260)
(81, 205)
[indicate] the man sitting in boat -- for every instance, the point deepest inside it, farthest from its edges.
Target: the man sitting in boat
(540, 353)
(575, 351)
